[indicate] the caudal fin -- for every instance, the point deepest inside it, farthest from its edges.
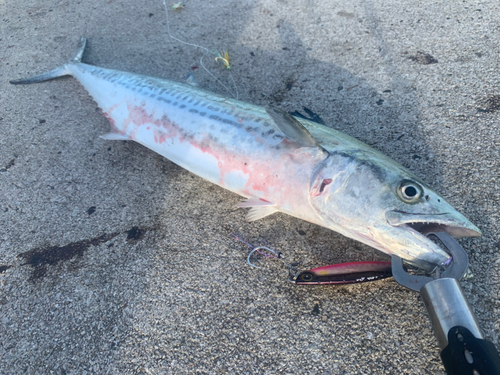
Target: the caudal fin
(57, 72)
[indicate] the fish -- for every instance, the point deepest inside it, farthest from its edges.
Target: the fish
(276, 161)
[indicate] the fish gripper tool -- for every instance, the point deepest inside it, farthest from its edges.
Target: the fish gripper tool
(464, 350)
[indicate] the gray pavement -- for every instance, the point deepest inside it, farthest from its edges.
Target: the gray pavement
(114, 260)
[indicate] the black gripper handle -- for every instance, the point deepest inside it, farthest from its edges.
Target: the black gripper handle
(465, 354)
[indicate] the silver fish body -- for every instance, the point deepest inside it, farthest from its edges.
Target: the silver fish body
(277, 162)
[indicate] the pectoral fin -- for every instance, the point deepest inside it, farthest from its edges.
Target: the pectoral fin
(259, 208)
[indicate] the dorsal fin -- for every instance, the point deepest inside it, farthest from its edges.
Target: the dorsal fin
(312, 116)
(292, 128)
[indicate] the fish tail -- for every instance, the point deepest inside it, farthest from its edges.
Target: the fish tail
(57, 72)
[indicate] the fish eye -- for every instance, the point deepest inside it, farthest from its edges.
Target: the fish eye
(410, 191)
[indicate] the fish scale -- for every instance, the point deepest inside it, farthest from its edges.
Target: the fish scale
(276, 161)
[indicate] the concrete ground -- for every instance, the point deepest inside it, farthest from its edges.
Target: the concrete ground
(114, 260)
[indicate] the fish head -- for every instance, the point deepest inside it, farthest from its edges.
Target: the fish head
(371, 198)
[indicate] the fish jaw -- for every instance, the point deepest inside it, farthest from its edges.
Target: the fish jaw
(413, 228)
(403, 241)
(411, 245)
(453, 223)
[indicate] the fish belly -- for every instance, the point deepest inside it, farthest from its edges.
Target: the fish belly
(227, 142)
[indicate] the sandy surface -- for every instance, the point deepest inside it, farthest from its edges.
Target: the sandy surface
(114, 260)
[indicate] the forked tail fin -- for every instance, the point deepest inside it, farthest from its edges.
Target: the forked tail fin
(57, 72)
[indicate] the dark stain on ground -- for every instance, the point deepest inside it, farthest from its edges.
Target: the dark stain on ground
(315, 310)
(4, 268)
(490, 104)
(423, 58)
(135, 234)
(9, 165)
(345, 14)
(41, 258)
(279, 95)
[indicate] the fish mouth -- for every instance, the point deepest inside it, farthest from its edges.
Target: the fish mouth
(417, 248)
(455, 224)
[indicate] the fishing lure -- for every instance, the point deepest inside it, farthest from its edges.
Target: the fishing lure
(224, 57)
(345, 273)
(336, 274)
(178, 6)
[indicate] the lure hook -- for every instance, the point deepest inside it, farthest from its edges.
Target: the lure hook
(277, 255)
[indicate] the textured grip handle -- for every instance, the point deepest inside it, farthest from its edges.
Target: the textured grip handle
(468, 355)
